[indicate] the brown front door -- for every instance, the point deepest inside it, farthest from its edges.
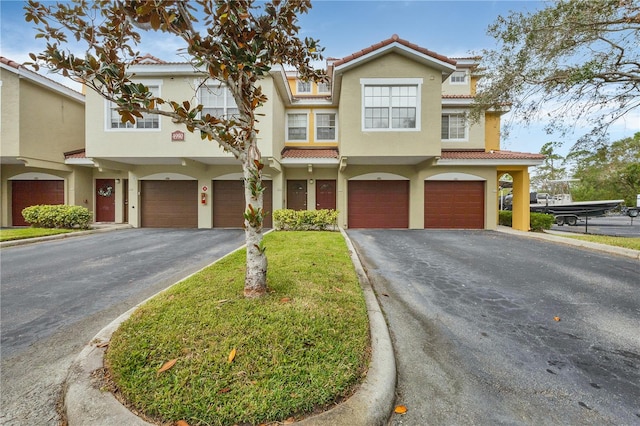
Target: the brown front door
(326, 194)
(26, 193)
(105, 200)
(297, 194)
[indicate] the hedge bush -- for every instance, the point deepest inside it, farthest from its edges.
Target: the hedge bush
(57, 216)
(537, 221)
(305, 220)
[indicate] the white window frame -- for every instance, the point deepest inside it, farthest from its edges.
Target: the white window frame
(303, 84)
(227, 98)
(110, 110)
(456, 112)
(305, 113)
(458, 73)
(315, 124)
(392, 82)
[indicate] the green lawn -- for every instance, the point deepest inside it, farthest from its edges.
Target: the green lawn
(302, 348)
(22, 233)
(626, 242)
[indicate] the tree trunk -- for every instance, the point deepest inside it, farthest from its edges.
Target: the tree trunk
(255, 283)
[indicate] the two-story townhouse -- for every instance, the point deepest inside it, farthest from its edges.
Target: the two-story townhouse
(40, 121)
(386, 142)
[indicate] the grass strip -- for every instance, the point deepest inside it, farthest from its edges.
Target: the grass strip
(298, 350)
(626, 242)
(23, 233)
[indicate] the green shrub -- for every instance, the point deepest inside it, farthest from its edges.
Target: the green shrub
(57, 216)
(305, 220)
(541, 221)
(537, 221)
(505, 217)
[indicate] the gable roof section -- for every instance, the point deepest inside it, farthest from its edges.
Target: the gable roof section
(397, 45)
(39, 79)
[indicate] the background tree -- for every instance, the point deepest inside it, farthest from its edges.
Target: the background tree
(572, 61)
(235, 42)
(610, 173)
(553, 168)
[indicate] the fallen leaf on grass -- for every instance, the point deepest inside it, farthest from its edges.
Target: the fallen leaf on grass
(289, 421)
(181, 423)
(285, 300)
(232, 355)
(102, 344)
(400, 409)
(167, 365)
(224, 390)
(339, 290)
(556, 319)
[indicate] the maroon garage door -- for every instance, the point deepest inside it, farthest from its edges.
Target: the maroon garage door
(454, 204)
(25, 193)
(378, 204)
(169, 203)
(229, 204)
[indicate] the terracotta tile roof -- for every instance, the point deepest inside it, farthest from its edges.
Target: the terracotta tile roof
(393, 39)
(78, 153)
(9, 62)
(148, 59)
(458, 96)
(490, 155)
(309, 153)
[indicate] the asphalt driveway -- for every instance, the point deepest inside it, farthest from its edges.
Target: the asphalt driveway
(57, 295)
(491, 328)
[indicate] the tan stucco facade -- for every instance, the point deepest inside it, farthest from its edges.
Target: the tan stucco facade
(130, 156)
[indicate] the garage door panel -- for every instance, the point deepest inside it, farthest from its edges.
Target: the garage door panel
(378, 204)
(229, 204)
(169, 204)
(454, 204)
(26, 193)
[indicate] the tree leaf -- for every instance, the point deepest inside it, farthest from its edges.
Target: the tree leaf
(232, 355)
(181, 423)
(400, 409)
(167, 365)
(556, 319)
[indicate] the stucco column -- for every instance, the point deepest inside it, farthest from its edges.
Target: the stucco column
(521, 210)
(416, 202)
(134, 200)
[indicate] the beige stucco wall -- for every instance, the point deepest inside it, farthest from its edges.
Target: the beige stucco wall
(10, 116)
(50, 123)
(104, 142)
(425, 142)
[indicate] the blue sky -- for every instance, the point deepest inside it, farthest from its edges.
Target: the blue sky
(452, 28)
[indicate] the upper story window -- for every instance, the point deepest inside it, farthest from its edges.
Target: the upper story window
(303, 86)
(458, 77)
(297, 126)
(217, 101)
(454, 127)
(325, 126)
(323, 88)
(391, 104)
(148, 121)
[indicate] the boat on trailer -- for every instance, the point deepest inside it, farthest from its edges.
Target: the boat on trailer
(567, 211)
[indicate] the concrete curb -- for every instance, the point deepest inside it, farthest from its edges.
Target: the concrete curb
(98, 229)
(558, 237)
(86, 403)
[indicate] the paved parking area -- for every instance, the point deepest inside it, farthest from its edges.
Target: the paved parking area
(617, 226)
(492, 328)
(57, 295)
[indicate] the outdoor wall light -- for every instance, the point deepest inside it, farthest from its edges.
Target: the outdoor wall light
(310, 181)
(117, 180)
